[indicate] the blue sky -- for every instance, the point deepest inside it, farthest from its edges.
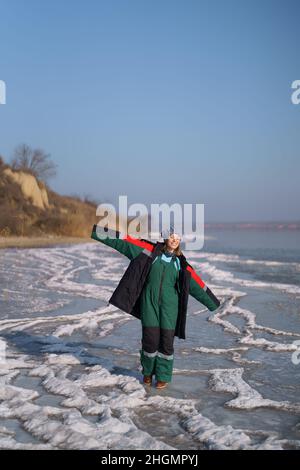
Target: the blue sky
(164, 101)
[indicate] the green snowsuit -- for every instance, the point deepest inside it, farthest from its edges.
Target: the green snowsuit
(159, 306)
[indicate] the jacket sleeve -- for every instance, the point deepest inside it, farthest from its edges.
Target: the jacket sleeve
(200, 291)
(128, 246)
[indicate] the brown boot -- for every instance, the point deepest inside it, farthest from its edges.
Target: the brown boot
(161, 384)
(147, 379)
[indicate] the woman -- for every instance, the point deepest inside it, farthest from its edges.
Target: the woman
(155, 289)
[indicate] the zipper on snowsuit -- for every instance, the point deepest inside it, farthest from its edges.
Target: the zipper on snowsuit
(160, 287)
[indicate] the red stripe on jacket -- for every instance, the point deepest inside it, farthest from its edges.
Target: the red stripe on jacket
(140, 243)
(195, 276)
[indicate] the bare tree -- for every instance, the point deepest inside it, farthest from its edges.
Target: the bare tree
(88, 199)
(34, 161)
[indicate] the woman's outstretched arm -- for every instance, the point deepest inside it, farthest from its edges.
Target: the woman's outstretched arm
(126, 245)
(200, 291)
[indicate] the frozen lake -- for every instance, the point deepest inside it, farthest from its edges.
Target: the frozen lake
(70, 377)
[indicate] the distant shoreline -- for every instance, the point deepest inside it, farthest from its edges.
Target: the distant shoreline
(39, 242)
(50, 240)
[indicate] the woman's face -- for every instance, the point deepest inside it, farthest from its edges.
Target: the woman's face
(173, 242)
